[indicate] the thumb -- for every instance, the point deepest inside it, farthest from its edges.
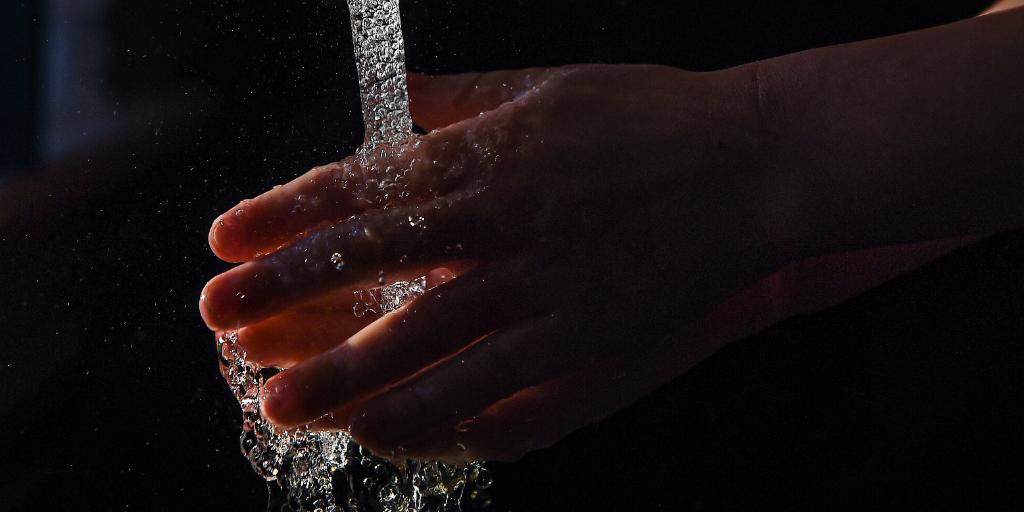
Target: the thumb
(440, 100)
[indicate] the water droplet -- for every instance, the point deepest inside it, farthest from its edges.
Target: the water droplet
(381, 278)
(359, 309)
(338, 261)
(483, 478)
(465, 425)
(388, 493)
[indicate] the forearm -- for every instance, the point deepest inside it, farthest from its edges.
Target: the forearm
(1003, 5)
(906, 138)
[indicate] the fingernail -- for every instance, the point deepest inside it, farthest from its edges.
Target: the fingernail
(439, 276)
(224, 239)
(210, 306)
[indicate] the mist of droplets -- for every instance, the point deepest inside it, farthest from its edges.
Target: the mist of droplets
(328, 471)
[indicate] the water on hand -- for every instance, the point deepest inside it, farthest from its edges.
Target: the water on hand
(329, 471)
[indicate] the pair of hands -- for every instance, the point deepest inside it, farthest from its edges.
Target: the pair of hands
(589, 232)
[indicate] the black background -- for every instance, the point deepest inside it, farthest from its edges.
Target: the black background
(111, 399)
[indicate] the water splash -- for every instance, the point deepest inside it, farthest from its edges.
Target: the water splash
(329, 471)
(382, 299)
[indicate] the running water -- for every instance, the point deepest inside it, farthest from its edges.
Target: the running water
(329, 471)
(380, 62)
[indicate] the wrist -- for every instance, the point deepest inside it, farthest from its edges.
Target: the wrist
(773, 192)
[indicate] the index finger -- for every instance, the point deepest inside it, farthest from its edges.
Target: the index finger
(334, 192)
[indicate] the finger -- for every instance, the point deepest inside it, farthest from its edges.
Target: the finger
(342, 419)
(342, 255)
(334, 192)
(556, 386)
(438, 101)
(538, 416)
(285, 340)
(275, 218)
(531, 419)
(337, 420)
(309, 330)
(397, 346)
(452, 394)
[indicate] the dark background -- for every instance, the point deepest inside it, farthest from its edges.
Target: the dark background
(127, 126)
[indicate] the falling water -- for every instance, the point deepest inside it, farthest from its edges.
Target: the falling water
(329, 471)
(380, 62)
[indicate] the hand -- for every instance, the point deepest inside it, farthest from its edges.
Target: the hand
(609, 226)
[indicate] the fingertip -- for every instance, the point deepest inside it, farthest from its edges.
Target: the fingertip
(225, 240)
(248, 342)
(216, 305)
(279, 403)
(204, 308)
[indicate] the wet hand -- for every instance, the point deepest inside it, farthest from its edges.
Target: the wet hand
(602, 222)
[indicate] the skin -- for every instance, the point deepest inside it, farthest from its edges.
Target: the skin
(590, 245)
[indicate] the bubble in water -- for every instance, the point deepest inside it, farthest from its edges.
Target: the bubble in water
(359, 309)
(338, 261)
(482, 477)
(388, 493)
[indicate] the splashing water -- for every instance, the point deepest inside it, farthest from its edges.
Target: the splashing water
(329, 471)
